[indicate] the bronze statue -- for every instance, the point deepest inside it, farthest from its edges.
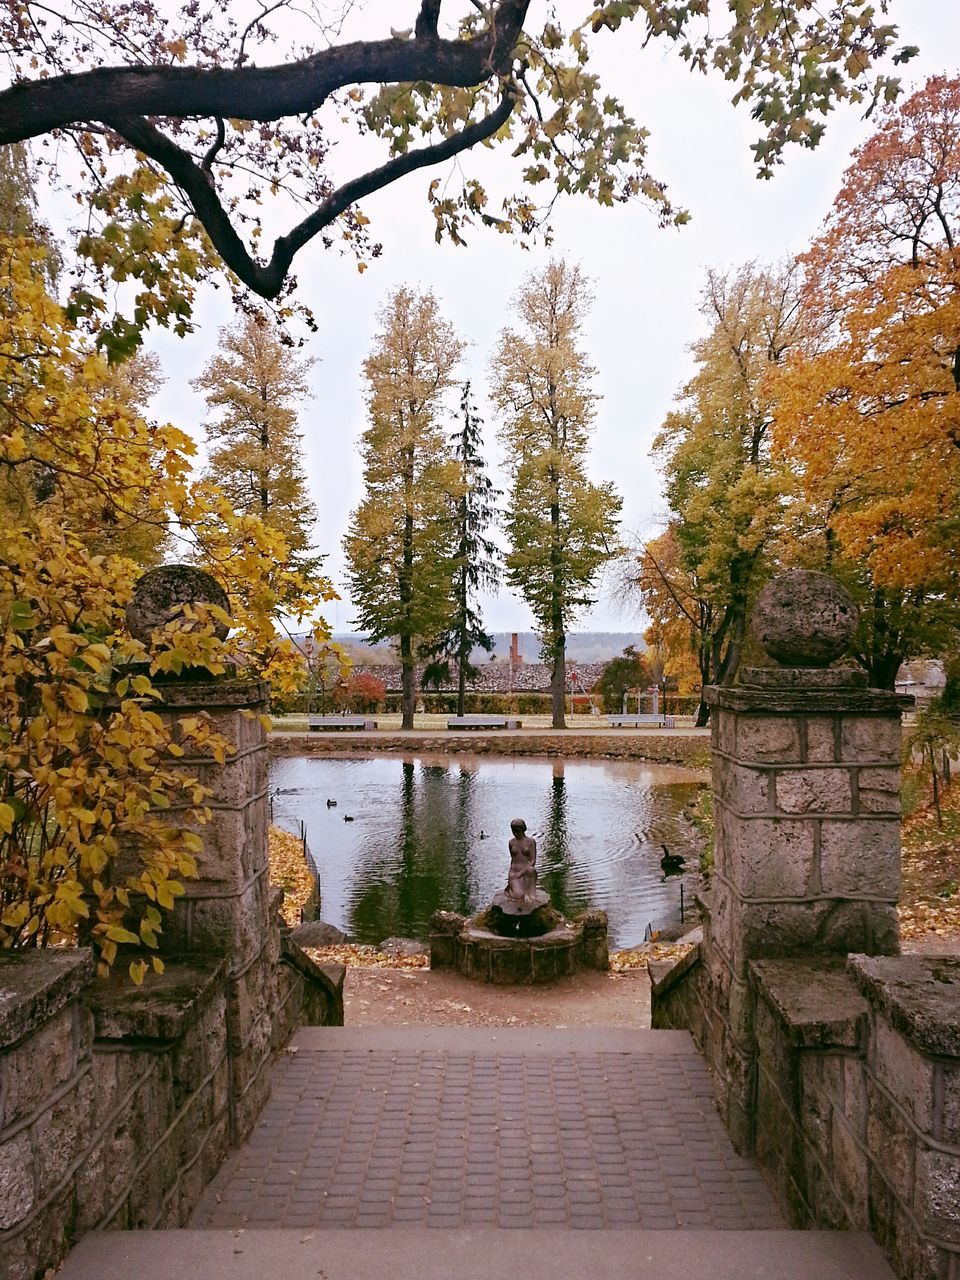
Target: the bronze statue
(522, 877)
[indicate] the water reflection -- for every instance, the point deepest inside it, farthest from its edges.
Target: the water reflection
(432, 833)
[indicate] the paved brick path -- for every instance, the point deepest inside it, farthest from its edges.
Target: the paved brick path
(452, 1127)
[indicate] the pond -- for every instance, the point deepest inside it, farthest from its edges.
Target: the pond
(431, 833)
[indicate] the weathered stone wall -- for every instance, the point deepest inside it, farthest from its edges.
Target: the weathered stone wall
(858, 1102)
(857, 1098)
(806, 791)
(691, 749)
(118, 1103)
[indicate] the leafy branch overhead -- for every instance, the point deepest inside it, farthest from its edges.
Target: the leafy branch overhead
(221, 110)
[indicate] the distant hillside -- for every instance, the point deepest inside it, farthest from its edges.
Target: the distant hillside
(582, 646)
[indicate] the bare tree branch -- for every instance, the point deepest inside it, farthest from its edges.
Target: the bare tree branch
(32, 108)
(267, 279)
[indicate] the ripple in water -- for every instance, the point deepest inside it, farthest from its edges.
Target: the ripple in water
(431, 833)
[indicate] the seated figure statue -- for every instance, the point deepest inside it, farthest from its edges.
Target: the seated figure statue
(522, 877)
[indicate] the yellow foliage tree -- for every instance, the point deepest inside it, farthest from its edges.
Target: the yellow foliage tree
(85, 763)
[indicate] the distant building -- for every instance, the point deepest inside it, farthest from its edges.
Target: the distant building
(501, 677)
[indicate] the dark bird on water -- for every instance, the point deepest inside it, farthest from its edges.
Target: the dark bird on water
(331, 804)
(347, 818)
(671, 863)
(483, 834)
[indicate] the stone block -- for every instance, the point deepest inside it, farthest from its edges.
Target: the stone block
(906, 1074)
(860, 858)
(234, 925)
(35, 985)
(745, 790)
(768, 739)
(824, 928)
(870, 739)
(442, 950)
(216, 1147)
(821, 737)
(246, 1109)
(37, 1066)
(61, 1133)
(937, 1201)
(850, 1169)
(93, 1183)
(190, 1128)
(911, 1255)
(726, 724)
(154, 1178)
(879, 790)
(595, 949)
(816, 1111)
(234, 842)
(741, 1011)
(769, 857)
(814, 791)
(831, 1077)
(855, 1096)
(18, 1191)
(542, 964)
(947, 1124)
(891, 1144)
(919, 996)
(871, 928)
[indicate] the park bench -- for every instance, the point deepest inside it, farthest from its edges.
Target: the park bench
(644, 718)
(483, 722)
(317, 723)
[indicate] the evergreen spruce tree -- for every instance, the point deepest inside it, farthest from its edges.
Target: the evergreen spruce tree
(400, 546)
(476, 560)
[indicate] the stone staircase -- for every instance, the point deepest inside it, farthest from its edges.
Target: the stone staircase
(472, 1152)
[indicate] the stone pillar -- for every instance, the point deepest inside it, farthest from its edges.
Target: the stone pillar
(230, 908)
(806, 790)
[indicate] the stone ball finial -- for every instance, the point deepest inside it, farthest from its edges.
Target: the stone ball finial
(804, 619)
(159, 593)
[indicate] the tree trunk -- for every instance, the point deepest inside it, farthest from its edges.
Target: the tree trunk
(558, 636)
(936, 787)
(406, 597)
(558, 683)
(463, 655)
(461, 687)
(407, 685)
(882, 669)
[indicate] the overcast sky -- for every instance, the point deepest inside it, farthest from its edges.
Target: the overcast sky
(646, 280)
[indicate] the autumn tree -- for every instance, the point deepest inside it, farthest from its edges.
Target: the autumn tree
(476, 559)
(400, 545)
(562, 528)
(185, 115)
(868, 421)
(85, 764)
(254, 386)
(724, 494)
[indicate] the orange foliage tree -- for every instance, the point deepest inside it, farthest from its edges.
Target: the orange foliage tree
(870, 420)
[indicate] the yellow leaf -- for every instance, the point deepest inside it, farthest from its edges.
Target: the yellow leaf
(75, 698)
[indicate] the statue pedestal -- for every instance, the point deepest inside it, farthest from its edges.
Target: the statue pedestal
(529, 917)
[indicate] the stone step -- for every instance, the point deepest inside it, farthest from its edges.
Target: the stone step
(554, 1041)
(476, 1254)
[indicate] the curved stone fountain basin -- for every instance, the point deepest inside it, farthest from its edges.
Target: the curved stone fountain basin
(478, 952)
